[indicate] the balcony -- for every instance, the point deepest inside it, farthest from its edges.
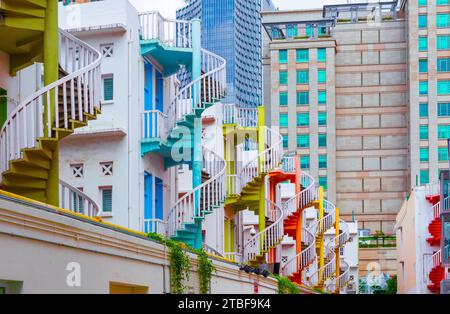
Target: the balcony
(155, 226)
(166, 41)
(300, 29)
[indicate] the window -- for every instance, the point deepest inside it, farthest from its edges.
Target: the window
(442, 2)
(423, 110)
(422, 3)
(444, 109)
(424, 132)
(283, 98)
(423, 21)
(323, 164)
(323, 181)
(423, 65)
(107, 50)
(322, 54)
(302, 55)
(106, 168)
(77, 170)
(283, 56)
(292, 31)
(283, 77)
(443, 64)
(322, 76)
(285, 141)
(424, 176)
(424, 154)
(442, 153)
(302, 77)
(443, 87)
(302, 98)
(303, 140)
(423, 43)
(302, 119)
(423, 88)
(443, 20)
(284, 120)
(322, 118)
(108, 88)
(106, 194)
(304, 162)
(443, 42)
(322, 140)
(443, 131)
(322, 97)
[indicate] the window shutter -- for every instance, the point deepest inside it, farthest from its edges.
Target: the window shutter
(108, 88)
(107, 200)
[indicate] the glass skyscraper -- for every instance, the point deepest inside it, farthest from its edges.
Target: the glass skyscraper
(232, 29)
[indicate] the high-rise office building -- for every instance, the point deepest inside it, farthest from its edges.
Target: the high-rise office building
(362, 92)
(232, 29)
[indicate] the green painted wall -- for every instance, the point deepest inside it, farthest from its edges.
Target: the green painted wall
(3, 107)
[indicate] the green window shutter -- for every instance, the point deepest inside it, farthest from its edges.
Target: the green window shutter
(302, 98)
(443, 42)
(322, 54)
(443, 64)
(304, 162)
(423, 110)
(442, 154)
(284, 120)
(443, 87)
(322, 140)
(283, 77)
(443, 20)
(441, 2)
(302, 77)
(323, 163)
(108, 88)
(424, 154)
(303, 140)
(423, 43)
(302, 119)
(423, 88)
(322, 118)
(423, 65)
(107, 200)
(322, 97)
(322, 76)
(424, 176)
(302, 55)
(323, 181)
(423, 21)
(424, 132)
(423, 3)
(285, 141)
(283, 56)
(444, 109)
(283, 98)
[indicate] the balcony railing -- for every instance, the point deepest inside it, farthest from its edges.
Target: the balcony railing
(154, 125)
(377, 242)
(155, 225)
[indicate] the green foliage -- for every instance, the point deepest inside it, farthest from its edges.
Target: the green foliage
(285, 286)
(180, 267)
(205, 270)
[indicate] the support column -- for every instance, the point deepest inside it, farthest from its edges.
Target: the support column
(51, 75)
(197, 144)
(337, 250)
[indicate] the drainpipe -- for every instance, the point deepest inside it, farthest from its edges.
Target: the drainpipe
(130, 150)
(197, 162)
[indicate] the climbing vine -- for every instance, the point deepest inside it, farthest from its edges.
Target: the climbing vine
(205, 270)
(285, 286)
(180, 267)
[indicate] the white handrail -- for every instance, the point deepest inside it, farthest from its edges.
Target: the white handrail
(266, 161)
(172, 33)
(431, 262)
(80, 93)
(341, 281)
(343, 235)
(288, 164)
(153, 125)
(209, 194)
(307, 195)
(158, 226)
(305, 258)
(327, 271)
(243, 117)
(76, 201)
(267, 238)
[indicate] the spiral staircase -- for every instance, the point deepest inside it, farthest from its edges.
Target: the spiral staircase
(29, 137)
(170, 43)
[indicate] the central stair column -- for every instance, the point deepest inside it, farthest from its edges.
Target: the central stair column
(51, 54)
(196, 97)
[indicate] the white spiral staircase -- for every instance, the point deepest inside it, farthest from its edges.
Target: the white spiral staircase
(29, 136)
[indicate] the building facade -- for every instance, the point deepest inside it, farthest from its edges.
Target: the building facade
(232, 29)
(363, 102)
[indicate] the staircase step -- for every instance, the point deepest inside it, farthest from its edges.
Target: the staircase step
(24, 182)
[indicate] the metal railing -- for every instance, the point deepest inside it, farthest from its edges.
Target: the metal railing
(158, 226)
(76, 201)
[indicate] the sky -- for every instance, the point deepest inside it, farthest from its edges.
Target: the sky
(169, 7)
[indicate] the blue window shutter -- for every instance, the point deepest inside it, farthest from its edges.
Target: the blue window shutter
(108, 88)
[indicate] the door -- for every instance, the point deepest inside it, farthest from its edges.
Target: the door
(148, 100)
